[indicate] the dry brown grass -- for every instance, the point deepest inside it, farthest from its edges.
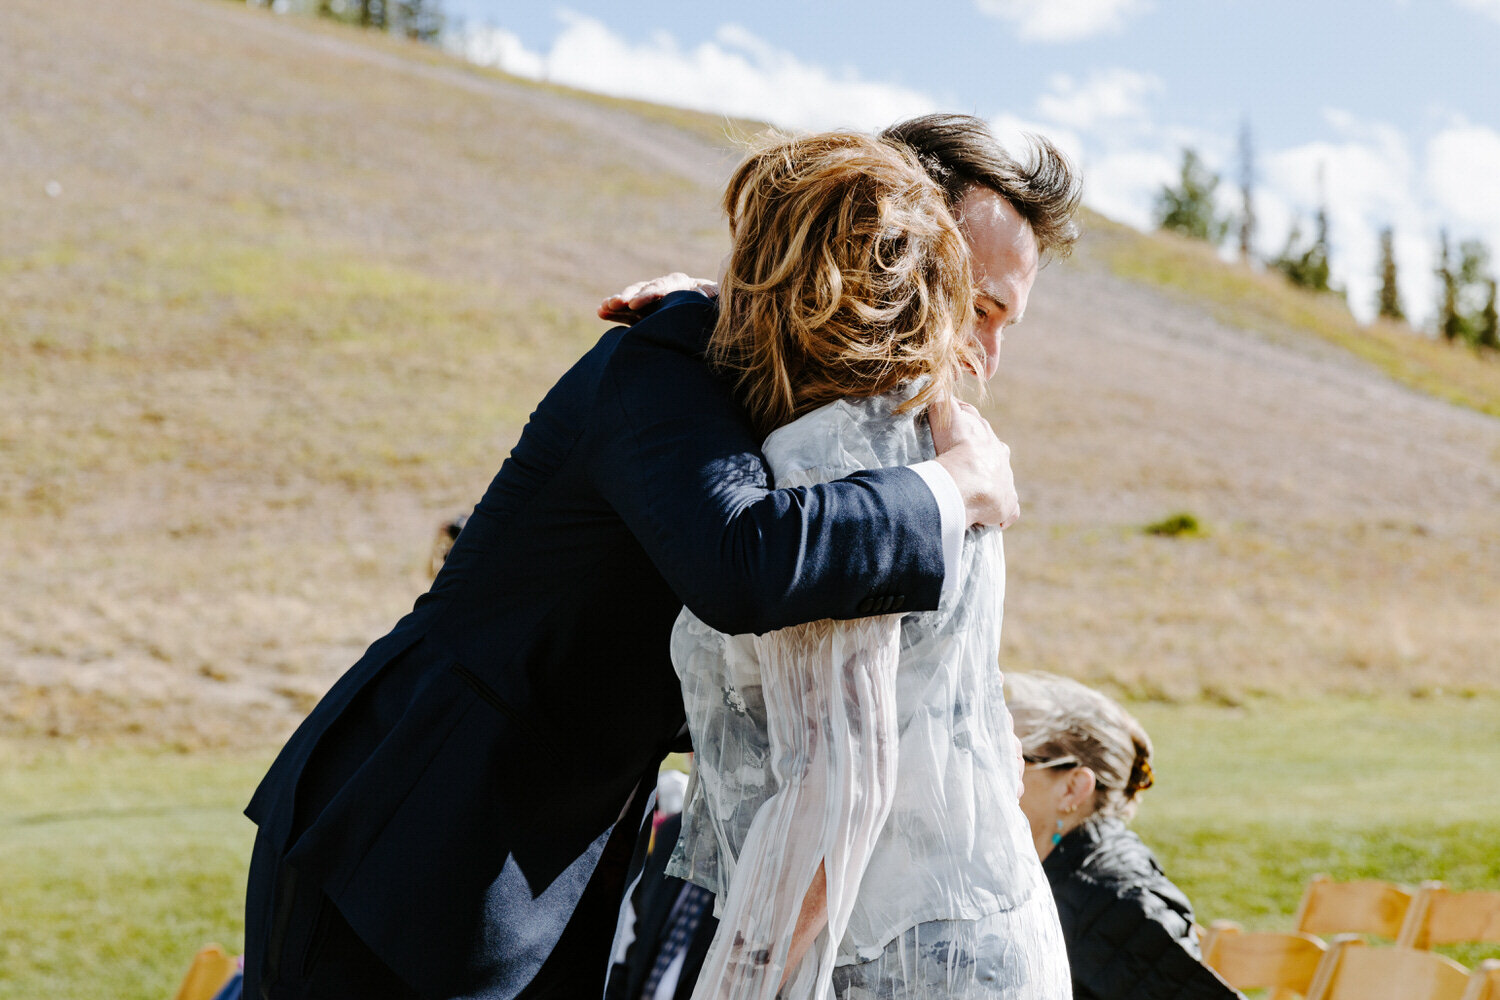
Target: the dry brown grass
(1352, 525)
(301, 285)
(289, 309)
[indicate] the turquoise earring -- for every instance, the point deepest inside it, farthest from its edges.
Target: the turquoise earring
(1057, 837)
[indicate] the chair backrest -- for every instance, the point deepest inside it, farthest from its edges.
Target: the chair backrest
(1259, 960)
(1439, 916)
(1353, 970)
(1363, 907)
(210, 970)
(1484, 981)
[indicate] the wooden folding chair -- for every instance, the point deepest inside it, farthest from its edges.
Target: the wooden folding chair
(1263, 960)
(1484, 981)
(1353, 970)
(210, 970)
(1363, 907)
(1439, 916)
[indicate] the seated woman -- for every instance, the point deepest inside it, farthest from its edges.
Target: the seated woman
(858, 823)
(1129, 930)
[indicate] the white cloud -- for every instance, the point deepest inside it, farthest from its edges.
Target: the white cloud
(489, 46)
(1108, 96)
(1063, 20)
(1490, 8)
(1123, 185)
(737, 73)
(1013, 132)
(1463, 174)
(1107, 123)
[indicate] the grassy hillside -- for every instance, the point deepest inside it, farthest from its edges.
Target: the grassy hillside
(276, 297)
(1265, 302)
(286, 307)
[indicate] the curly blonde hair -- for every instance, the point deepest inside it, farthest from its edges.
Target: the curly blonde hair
(847, 277)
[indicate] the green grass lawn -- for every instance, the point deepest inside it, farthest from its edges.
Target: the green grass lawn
(117, 864)
(1252, 802)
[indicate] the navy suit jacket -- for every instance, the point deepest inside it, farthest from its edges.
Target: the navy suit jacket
(454, 790)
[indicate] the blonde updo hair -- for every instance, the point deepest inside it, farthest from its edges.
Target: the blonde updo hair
(847, 277)
(1056, 717)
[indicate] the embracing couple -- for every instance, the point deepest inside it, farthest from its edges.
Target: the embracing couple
(737, 517)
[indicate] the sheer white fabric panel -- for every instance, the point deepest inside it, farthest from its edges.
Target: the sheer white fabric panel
(813, 747)
(829, 690)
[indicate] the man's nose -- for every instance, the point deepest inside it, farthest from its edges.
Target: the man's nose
(989, 337)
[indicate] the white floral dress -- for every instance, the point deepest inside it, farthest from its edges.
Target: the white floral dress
(880, 748)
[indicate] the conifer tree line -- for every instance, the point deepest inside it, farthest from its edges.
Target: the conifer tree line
(421, 20)
(1466, 306)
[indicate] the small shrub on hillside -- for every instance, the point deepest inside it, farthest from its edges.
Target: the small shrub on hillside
(1182, 525)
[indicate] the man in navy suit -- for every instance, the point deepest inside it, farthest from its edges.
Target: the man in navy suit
(456, 817)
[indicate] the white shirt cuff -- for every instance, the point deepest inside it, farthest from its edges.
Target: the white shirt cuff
(951, 510)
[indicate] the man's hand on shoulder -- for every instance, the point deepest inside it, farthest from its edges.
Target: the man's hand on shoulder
(979, 463)
(635, 302)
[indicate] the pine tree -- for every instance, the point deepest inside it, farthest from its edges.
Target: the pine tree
(421, 20)
(1309, 268)
(1389, 302)
(371, 13)
(1306, 268)
(1488, 333)
(1189, 207)
(1247, 193)
(1289, 261)
(1450, 323)
(1318, 268)
(1473, 286)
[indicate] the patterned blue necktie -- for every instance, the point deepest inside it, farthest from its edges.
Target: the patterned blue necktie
(682, 924)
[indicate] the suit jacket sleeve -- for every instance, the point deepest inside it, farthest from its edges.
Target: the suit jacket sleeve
(680, 464)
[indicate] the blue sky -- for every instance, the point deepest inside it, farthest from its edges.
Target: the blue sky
(1395, 102)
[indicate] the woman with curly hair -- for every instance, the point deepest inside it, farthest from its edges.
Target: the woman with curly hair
(854, 797)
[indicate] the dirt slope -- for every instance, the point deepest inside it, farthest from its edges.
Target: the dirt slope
(275, 298)
(1352, 543)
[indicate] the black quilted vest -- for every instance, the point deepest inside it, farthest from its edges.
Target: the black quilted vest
(1128, 929)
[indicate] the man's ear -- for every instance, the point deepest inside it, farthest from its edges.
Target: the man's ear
(1080, 788)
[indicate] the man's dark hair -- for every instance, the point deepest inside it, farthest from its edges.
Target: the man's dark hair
(960, 153)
